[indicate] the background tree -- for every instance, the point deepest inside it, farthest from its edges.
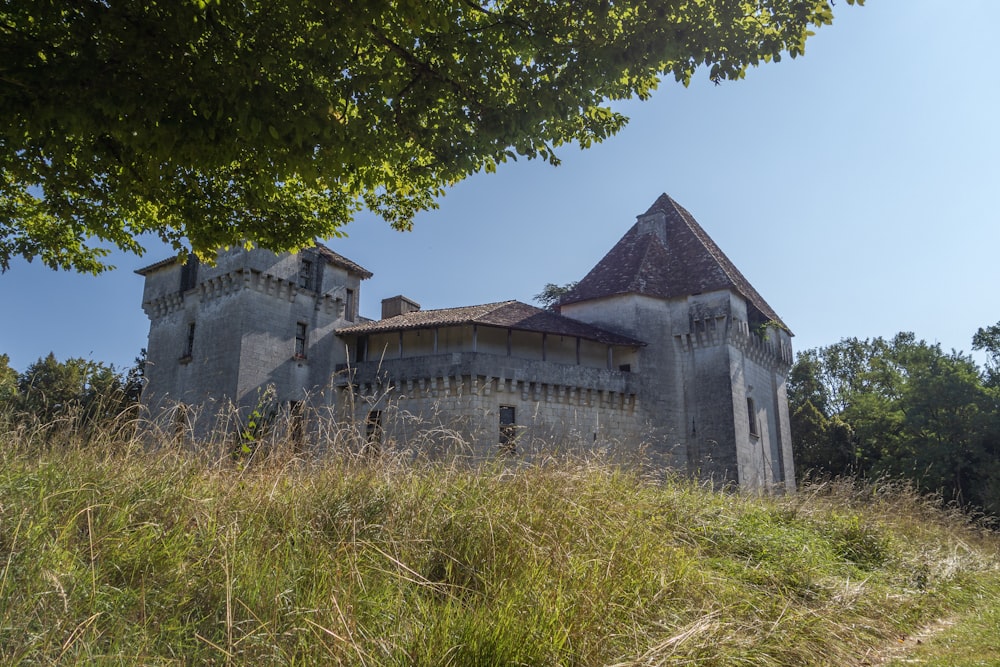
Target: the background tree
(135, 379)
(8, 384)
(898, 407)
(49, 388)
(85, 392)
(988, 340)
(273, 122)
(552, 294)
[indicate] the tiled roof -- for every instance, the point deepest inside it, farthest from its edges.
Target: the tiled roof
(158, 265)
(677, 260)
(504, 314)
(342, 262)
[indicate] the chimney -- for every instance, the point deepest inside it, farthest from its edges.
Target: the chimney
(398, 305)
(653, 222)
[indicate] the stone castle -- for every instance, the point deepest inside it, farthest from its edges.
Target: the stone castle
(664, 344)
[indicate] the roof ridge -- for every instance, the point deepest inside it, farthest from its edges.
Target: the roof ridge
(511, 314)
(710, 245)
(663, 200)
(337, 259)
(492, 305)
(647, 250)
(733, 274)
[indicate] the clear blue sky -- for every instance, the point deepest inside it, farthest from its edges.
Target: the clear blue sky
(857, 188)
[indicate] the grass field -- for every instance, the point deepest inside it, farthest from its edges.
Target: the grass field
(118, 554)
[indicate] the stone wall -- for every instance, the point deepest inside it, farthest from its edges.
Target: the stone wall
(701, 364)
(246, 311)
(430, 400)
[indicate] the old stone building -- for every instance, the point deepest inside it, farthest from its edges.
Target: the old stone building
(663, 345)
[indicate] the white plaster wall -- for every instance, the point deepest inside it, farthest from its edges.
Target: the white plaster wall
(526, 345)
(492, 340)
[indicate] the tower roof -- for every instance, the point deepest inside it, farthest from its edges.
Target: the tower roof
(666, 254)
(341, 261)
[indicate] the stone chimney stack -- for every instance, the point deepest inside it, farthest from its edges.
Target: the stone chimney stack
(653, 222)
(398, 305)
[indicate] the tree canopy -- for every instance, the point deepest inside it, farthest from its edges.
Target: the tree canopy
(899, 407)
(212, 123)
(77, 396)
(85, 390)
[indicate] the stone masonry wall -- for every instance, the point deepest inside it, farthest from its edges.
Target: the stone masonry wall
(455, 399)
(245, 310)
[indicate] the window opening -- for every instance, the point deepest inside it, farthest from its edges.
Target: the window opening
(508, 429)
(306, 274)
(300, 340)
(349, 305)
(625, 368)
(189, 344)
(373, 433)
(752, 417)
(189, 273)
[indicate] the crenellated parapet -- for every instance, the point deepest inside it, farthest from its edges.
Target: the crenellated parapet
(271, 285)
(767, 348)
(333, 302)
(163, 306)
(223, 285)
(764, 346)
(704, 332)
(472, 374)
(437, 388)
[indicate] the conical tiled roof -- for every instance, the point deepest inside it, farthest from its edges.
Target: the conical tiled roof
(666, 254)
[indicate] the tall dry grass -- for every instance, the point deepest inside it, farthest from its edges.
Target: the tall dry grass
(118, 550)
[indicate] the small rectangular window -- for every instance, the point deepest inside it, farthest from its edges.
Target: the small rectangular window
(373, 433)
(508, 429)
(189, 344)
(300, 340)
(752, 417)
(625, 368)
(349, 305)
(306, 274)
(189, 273)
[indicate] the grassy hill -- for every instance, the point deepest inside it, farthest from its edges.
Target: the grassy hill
(111, 554)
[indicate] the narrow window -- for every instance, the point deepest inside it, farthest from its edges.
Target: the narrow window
(373, 433)
(508, 429)
(625, 368)
(349, 305)
(752, 417)
(189, 345)
(189, 273)
(306, 274)
(300, 340)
